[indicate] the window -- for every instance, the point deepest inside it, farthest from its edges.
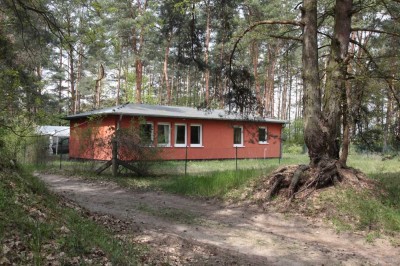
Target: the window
(180, 135)
(163, 134)
(262, 135)
(237, 136)
(196, 136)
(146, 133)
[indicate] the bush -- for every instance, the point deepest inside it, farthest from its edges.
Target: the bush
(293, 149)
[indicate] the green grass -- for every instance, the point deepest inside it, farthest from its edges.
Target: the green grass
(33, 216)
(212, 184)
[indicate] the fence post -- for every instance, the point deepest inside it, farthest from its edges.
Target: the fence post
(236, 157)
(60, 157)
(186, 155)
(114, 159)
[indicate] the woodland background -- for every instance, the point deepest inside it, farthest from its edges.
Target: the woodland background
(62, 57)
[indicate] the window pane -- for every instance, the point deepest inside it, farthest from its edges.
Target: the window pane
(180, 134)
(146, 132)
(237, 135)
(163, 134)
(195, 135)
(262, 136)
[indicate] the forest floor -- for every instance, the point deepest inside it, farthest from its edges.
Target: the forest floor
(184, 231)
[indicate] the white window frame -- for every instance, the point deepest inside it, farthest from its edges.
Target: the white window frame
(176, 135)
(241, 137)
(266, 135)
(201, 135)
(169, 134)
(151, 133)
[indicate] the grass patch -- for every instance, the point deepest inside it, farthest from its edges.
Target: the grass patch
(214, 184)
(35, 229)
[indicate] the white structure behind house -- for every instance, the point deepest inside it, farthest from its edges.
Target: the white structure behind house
(55, 133)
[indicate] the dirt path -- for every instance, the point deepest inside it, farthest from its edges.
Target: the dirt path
(187, 231)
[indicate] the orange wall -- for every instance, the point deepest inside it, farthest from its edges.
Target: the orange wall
(217, 139)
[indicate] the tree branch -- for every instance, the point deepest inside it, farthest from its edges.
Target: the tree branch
(256, 24)
(376, 31)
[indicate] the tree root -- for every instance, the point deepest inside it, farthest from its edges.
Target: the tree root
(302, 180)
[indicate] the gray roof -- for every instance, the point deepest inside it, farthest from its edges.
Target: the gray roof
(146, 110)
(57, 131)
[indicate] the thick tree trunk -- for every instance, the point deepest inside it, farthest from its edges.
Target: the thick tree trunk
(346, 113)
(336, 75)
(313, 129)
(322, 131)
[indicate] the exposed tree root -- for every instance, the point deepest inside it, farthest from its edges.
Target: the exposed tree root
(300, 181)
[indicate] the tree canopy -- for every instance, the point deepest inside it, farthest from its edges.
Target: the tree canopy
(62, 57)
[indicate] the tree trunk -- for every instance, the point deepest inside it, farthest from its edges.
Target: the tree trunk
(100, 76)
(72, 79)
(165, 70)
(284, 105)
(60, 80)
(206, 55)
(312, 94)
(336, 75)
(139, 73)
(346, 113)
(119, 76)
(322, 132)
(269, 93)
(255, 54)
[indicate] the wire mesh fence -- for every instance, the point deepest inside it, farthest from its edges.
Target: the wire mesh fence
(39, 153)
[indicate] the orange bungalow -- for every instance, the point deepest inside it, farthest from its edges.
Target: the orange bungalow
(179, 132)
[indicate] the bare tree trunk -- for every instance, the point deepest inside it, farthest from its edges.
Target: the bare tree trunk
(165, 70)
(119, 77)
(312, 94)
(139, 77)
(347, 103)
(60, 80)
(322, 132)
(221, 85)
(269, 93)
(206, 55)
(255, 55)
(279, 100)
(284, 106)
(100, 76)
(389, 114)
(137, 46)
(72, 79)
(79, 77)
(336, 75)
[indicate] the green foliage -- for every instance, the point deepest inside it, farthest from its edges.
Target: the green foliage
(294, 132)
(293, 149)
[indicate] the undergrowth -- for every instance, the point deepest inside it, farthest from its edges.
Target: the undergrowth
(36, 229)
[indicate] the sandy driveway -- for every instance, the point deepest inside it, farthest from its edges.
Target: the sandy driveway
(187, 231)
